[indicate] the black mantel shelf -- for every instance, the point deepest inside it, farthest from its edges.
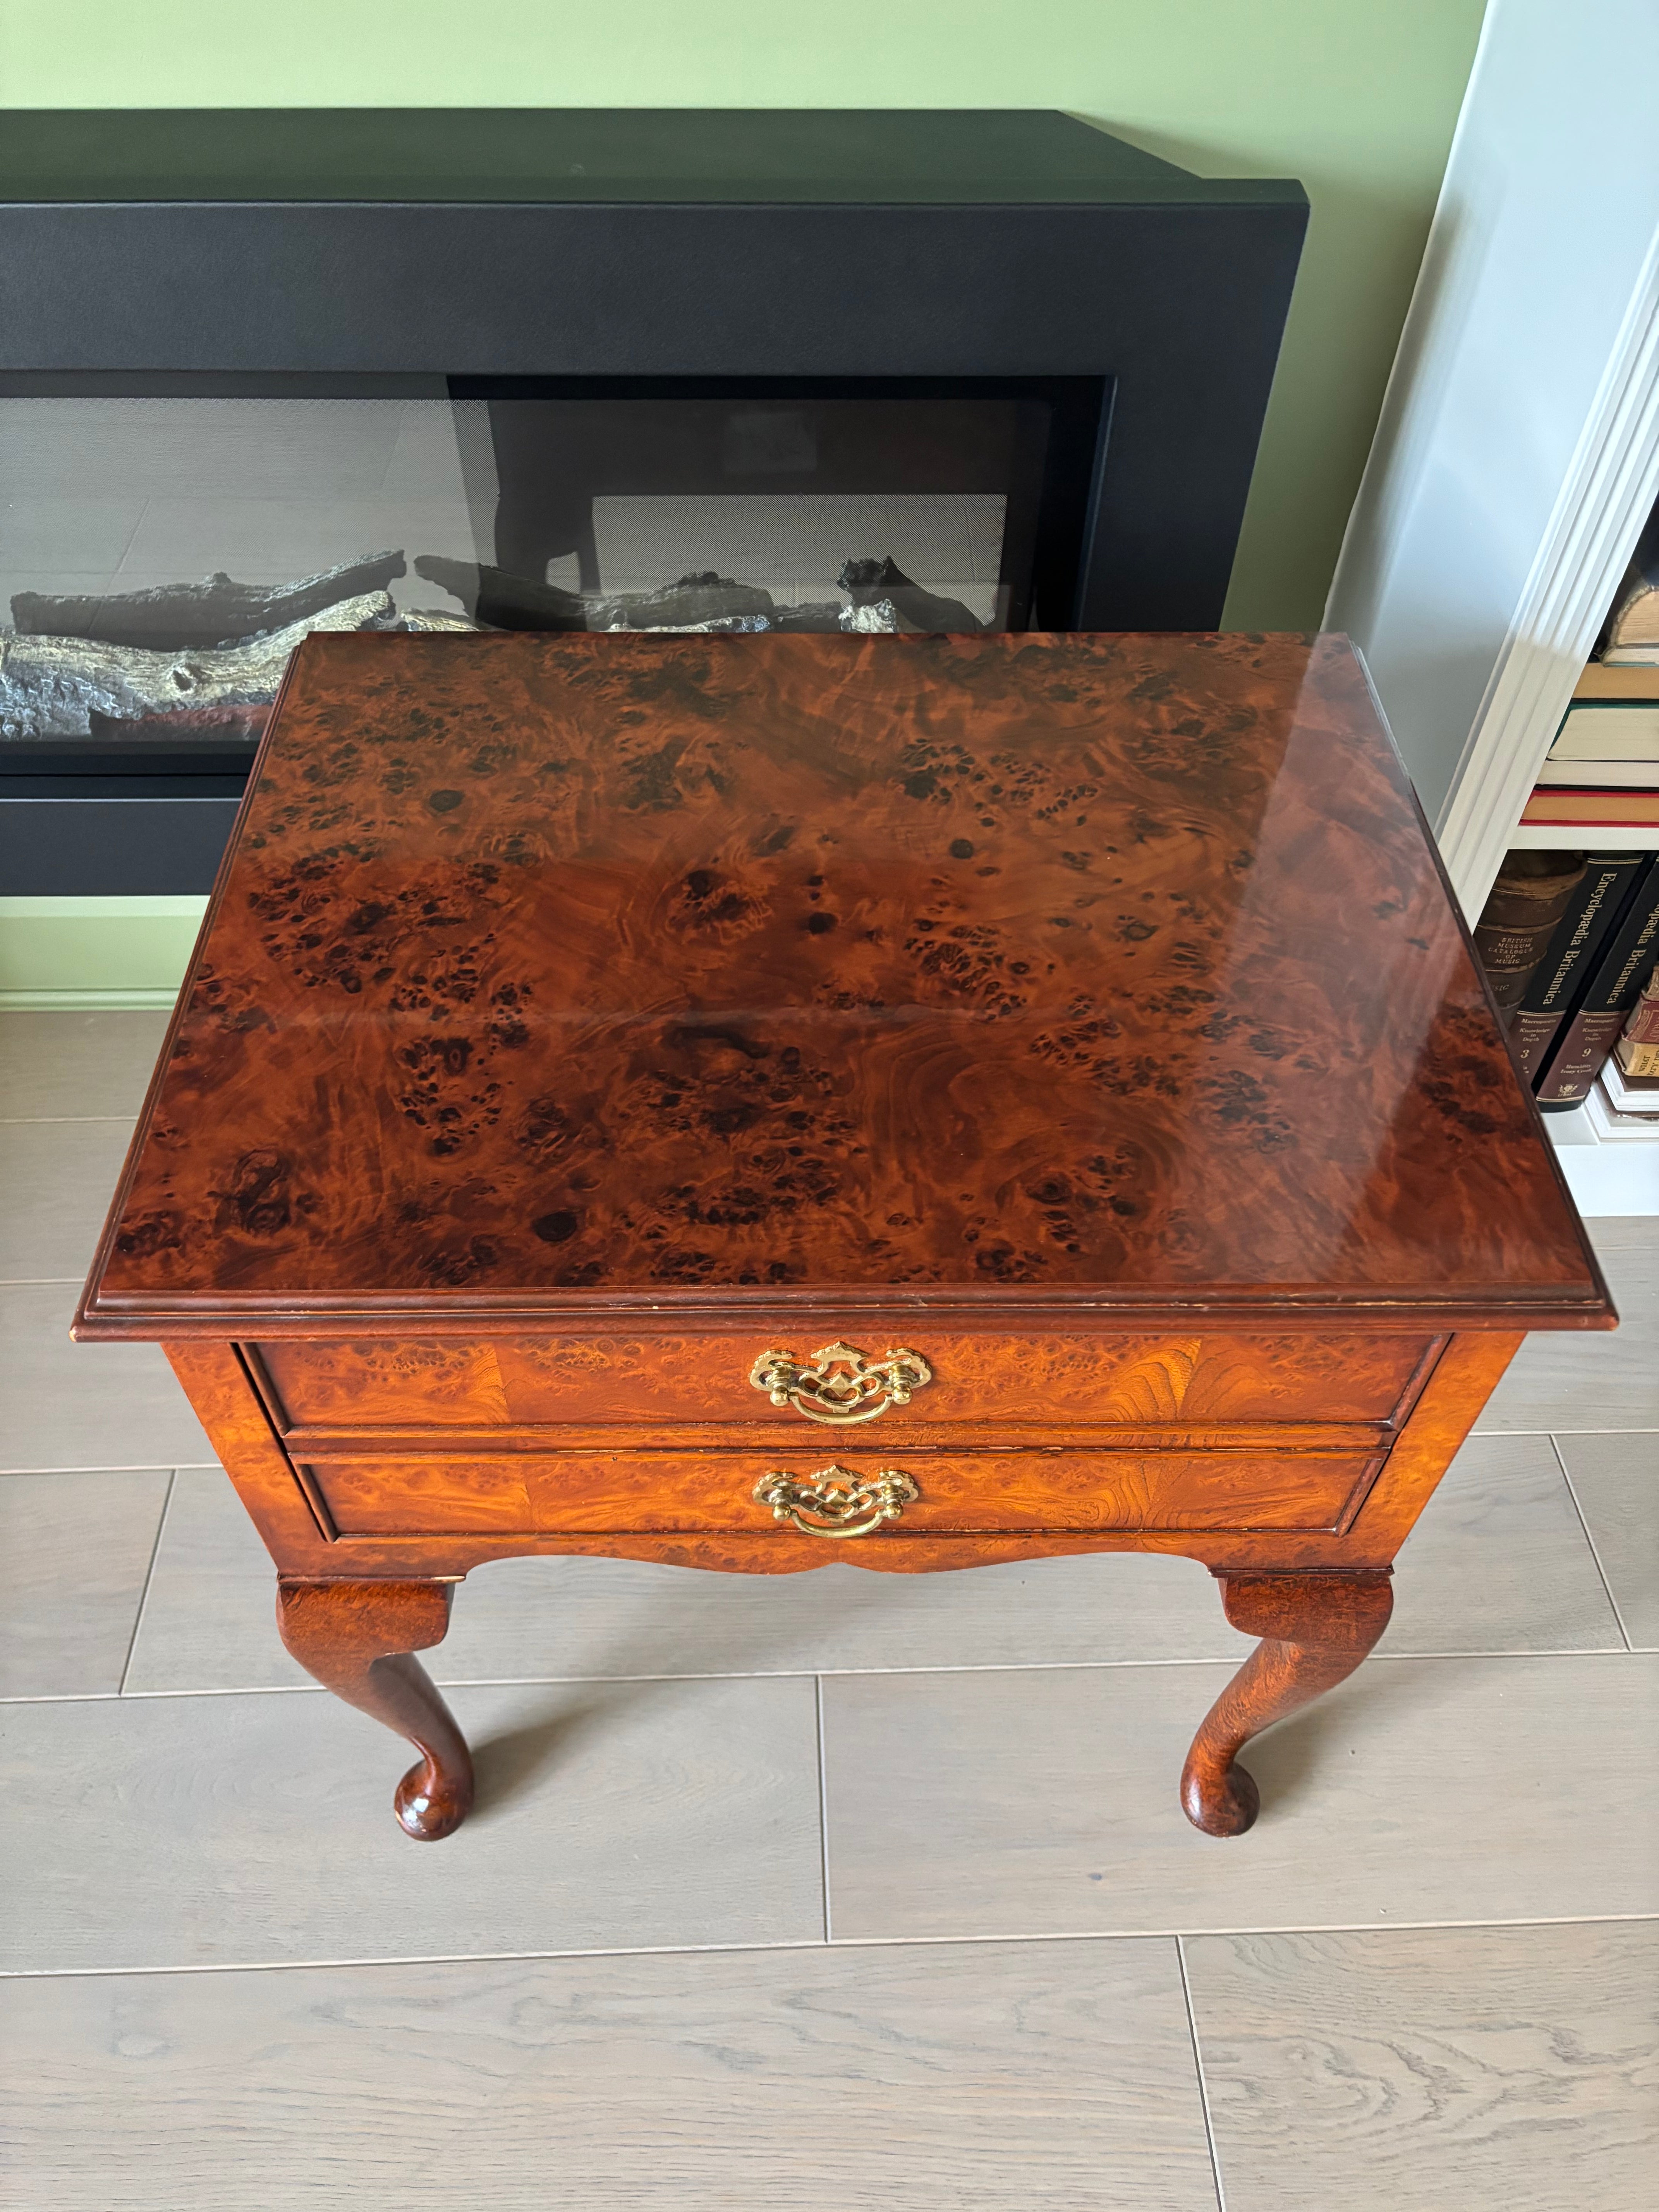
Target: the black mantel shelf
(584, 156)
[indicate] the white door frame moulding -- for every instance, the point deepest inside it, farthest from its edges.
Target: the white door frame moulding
(1611, 486)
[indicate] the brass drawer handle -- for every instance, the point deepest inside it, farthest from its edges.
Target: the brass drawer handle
(838, 1384)
(836, 1502)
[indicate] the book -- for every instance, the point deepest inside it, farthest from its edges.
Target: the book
(1638, 1050)
(1608, 773)
(1521, 912)
(1613, 716)
(1635, 618)
(1613, 982)
(1591, 911)
(1605, 685)
(1578, 806)
(1631, 656)
(1636, 1097)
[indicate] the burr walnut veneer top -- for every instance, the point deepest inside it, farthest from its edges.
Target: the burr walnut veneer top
(1108, 976)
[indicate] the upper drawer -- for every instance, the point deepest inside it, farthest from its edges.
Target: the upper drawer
(1062, 1380)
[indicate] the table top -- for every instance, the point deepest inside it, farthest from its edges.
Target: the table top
(1104, 974)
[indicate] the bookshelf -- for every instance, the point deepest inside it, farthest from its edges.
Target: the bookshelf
(1510, 478)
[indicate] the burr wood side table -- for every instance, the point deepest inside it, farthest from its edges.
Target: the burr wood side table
(749, 1102)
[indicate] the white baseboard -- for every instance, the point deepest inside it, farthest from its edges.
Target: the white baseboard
(1605, 1175)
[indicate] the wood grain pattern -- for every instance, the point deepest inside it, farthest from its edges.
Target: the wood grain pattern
(1060, 2078)
(980, 1802)
(1033, 1378)
(1316, 1628)
(1615, 1482)
(960, 1492)
(75, 1552)
(1000, 969)
(254, 1831)
(1497, 2070)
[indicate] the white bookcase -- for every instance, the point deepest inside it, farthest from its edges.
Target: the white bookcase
(1517, 455)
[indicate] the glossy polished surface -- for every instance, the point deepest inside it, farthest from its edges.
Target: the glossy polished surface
(706, 970)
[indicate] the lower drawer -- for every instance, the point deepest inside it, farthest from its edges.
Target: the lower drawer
(930, 1492)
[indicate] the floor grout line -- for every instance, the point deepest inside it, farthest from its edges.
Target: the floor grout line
(1566, 1477)
(802, 1674)
(1622, 1429)
(842, 1943)
(149, 1577)
(75, 1121)
(824, 1806)
(146, 1467)
(1203, 2085)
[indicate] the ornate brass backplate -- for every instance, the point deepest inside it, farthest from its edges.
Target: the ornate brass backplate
(836, 1502)
(839, 1383)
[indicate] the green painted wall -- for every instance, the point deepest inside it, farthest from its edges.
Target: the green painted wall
(1357, 98)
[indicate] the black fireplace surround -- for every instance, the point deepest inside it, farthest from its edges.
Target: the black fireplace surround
(1007, 309)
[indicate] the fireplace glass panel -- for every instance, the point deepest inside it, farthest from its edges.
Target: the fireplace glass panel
(161, 550)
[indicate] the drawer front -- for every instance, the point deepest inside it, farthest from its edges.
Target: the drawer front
(1060, 1381)
(936, 1492)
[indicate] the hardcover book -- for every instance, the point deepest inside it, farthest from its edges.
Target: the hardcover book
(1633, 629)
(1522, 911)
(1638, 1050)
(1613, 714)
(1613, 984)
(1591, 912)
(1580, 808)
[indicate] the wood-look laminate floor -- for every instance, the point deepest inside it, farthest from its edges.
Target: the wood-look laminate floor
(847, 1891)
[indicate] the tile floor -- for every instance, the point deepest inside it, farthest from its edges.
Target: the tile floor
(827, 1893)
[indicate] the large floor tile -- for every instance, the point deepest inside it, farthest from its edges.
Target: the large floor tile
(85, 1405)
(1499, 1561)
(173, 1832)
(1055, 2076)
(58, 1179)
(1567, 1379)
(56, 1064)
(1029, 1803)
(74, 1552)
(1616, 1479)
(208, 1626)
(1486, 2069)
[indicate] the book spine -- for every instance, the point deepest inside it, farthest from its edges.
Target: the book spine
(1638, 1051)
(1520, 918)
(1609, 993)
(1607, 882)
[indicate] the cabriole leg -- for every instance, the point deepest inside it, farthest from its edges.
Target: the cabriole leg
(356, 1639)
(1316, 1628)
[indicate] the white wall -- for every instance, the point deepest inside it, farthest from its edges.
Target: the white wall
(1547, 217)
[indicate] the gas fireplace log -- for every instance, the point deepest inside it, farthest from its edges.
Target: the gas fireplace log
(507, 602)
(50, 687)
(866, 581)
(693, 603)
(504, 602)
(186, 617)
(438, 621)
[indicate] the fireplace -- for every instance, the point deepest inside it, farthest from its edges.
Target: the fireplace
(740, 371)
